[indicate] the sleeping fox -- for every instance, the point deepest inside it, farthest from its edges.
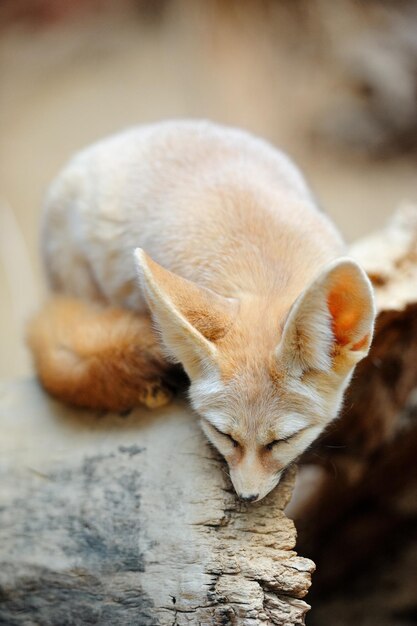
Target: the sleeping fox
(198, 244)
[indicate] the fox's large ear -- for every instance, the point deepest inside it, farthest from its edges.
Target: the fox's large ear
(331, 321)
(190, 318)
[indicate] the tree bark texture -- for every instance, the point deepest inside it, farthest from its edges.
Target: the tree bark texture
(132, 520)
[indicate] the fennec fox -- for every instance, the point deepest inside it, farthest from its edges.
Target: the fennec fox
(212, 236)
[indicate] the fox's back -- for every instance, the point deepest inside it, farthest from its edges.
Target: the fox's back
(213, 204)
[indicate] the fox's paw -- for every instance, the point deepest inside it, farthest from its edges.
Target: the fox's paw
(154, 395)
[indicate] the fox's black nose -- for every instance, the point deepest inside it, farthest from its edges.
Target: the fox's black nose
(251, 498)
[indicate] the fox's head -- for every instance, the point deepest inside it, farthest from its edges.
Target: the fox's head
(265, 380)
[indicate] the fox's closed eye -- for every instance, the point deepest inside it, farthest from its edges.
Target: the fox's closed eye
(275, 442)
(272, 444)
(234, 442)
(226, 435)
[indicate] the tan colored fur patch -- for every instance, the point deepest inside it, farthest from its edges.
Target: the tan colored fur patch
(205, 310)
(94, 357)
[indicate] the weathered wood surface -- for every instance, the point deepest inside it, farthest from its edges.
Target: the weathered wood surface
(132, 520)
(355, 491)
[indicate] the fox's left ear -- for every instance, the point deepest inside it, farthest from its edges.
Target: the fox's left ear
(189, 317)
(331, 321)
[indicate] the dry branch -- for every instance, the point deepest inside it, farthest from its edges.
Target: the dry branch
(132, 520)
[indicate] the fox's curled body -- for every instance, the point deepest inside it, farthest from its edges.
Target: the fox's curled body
(244, 282)
(212, 204)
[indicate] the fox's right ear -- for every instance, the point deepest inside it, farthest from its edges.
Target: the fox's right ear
(189, 317)
(332, 320)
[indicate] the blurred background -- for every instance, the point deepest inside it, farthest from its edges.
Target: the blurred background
(333, 83)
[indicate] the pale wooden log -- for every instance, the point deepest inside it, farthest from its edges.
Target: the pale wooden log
(350, 489)
(132, 520)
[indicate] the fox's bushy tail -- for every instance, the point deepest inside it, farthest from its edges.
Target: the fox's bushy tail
(96, 357)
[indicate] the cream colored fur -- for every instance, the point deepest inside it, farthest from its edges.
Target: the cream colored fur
(242, 274)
